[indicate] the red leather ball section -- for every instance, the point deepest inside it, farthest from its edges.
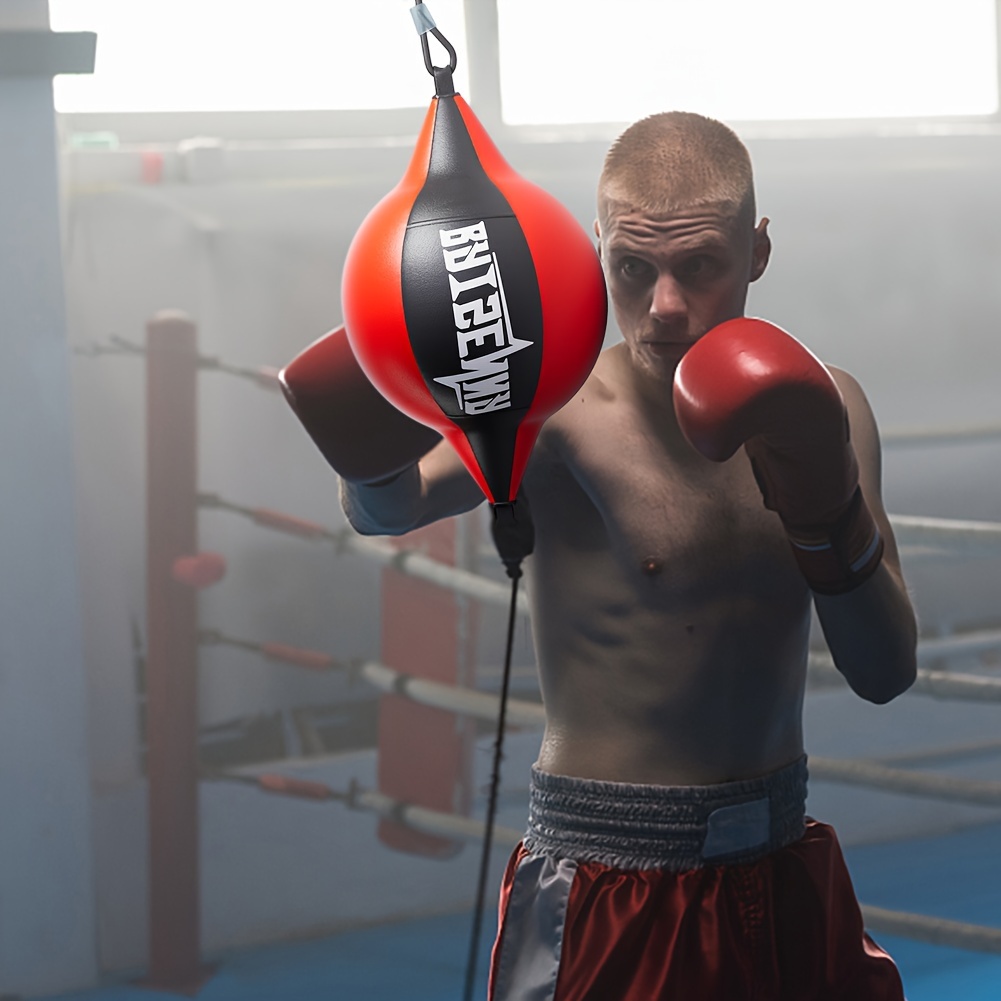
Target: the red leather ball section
(372, 294)
(571, 289)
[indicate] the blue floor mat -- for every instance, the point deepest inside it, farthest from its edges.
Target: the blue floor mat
(412, 961)
(957, 877)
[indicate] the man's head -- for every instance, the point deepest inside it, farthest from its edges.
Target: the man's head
(676, 226)
(678, 160)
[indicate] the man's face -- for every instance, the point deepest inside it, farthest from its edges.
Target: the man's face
(672, 278)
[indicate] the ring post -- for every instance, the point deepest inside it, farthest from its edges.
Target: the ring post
(425, 753)
(171, 667)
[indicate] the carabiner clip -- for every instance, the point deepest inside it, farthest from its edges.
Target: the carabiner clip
(424, 22)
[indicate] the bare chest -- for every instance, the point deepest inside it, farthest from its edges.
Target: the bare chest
(668, 524)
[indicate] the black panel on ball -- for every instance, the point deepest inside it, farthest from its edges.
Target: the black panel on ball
(456, 186)
(471, 299)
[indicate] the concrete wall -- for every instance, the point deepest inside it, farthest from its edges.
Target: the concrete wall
(47, 912)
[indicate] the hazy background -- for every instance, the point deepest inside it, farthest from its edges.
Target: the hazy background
(221, 165)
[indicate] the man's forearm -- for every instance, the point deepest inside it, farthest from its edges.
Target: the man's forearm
(392, 507)
(437, 487)
(872, 634)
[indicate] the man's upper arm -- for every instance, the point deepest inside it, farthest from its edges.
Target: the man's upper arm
(438, 486)
(871, 630)
(865, 439)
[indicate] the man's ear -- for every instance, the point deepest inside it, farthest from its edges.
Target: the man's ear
(761, 250)
(597, 235)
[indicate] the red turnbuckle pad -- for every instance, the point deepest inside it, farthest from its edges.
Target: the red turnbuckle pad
(312, 660)
(283, 785)
(200, 570)
(839, 557)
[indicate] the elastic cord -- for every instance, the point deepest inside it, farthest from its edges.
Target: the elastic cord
(481, 887)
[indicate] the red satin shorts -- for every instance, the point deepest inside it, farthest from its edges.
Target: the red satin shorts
(785, 927)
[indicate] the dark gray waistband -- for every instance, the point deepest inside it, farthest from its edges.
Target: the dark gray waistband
(665, 827)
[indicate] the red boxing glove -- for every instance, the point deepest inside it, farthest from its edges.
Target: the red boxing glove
(363, 436)
(747, 382)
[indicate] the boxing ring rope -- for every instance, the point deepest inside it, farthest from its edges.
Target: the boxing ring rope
(960, 537)
(173, 501)
(922, 928)
(873, 775)
(466, 701)
(937, 684)
(410, 562)
(923, 437)
(265, 376)
(971, 535)
(935, 931)
(483, 705)
(357, 798)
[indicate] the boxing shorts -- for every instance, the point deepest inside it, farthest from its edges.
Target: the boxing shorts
(623, 892)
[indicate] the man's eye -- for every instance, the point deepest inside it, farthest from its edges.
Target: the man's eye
(633, 267)
(698, 267)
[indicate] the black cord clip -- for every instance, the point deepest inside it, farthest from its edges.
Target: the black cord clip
(514, 533)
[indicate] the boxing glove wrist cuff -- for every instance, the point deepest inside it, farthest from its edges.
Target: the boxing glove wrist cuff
(385, 481)
(839, 557)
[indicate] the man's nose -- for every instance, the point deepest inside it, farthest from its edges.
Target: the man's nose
(668, 305)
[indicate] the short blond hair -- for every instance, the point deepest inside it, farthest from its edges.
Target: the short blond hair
(676, 160)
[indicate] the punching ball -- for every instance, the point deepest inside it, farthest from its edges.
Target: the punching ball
(473, 300)
(475, 303)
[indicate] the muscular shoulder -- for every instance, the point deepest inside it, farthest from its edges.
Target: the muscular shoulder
(860, 415)
(582, 416)
(862, 428)
(850, 387)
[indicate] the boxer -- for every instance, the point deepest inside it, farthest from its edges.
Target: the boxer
(710, 485)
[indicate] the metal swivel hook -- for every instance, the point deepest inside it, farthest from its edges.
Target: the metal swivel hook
(424, 22)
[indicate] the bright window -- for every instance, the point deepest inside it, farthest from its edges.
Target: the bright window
(746, 59)
(238, 55)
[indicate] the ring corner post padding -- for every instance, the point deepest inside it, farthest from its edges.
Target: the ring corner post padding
(425, 753)
(46, 53)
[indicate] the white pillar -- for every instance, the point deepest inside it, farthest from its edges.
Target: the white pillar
(484, 62)
(47, 913)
